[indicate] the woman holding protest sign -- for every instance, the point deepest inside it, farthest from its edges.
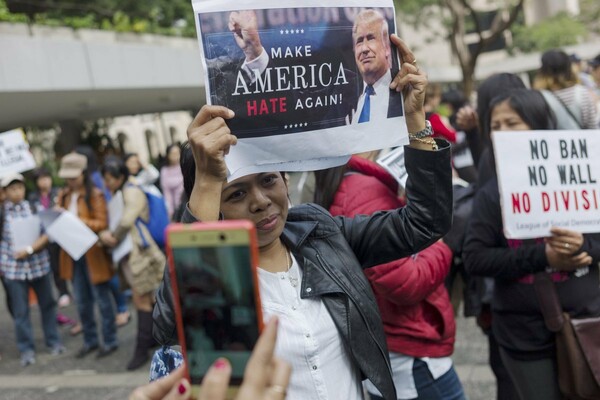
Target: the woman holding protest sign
(92, 272)
(527, 347)
(143, 267)
(321, 257)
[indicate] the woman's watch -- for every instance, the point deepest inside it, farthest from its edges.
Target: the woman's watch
(424, 136)
(423, 133)
(29, 250)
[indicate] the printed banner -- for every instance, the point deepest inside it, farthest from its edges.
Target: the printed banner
(305, 83)
(14, 153)
(546, 179)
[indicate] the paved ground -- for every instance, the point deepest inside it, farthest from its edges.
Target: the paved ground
(65, 377)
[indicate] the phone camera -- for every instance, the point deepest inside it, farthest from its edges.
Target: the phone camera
(222, 237)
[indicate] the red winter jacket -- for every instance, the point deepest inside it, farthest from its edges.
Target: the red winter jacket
(440, 129)
(415, 308)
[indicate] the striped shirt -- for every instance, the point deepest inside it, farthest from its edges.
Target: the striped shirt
(580, 102)
(29, 268)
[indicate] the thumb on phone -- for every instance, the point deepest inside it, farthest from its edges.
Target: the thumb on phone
(216, 381)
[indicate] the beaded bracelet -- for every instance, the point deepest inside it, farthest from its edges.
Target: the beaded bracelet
(431, 141)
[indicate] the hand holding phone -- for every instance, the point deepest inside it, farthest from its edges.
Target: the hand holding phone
(215, 286)
(266, 377)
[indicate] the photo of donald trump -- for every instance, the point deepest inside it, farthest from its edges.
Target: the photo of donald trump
(373, 56)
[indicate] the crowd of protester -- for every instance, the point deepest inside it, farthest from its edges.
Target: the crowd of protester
(94, 280)
(427, 268)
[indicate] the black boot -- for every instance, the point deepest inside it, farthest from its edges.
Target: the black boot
(145, 341)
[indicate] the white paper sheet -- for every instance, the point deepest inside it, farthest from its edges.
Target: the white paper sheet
(72, 235)
(25, 231)
(115, 213)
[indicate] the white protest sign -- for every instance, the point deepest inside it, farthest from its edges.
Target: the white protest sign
(115, 207)
(303, 97)
(14, 153)
(25, 231)
(546, 179)
(69, 232)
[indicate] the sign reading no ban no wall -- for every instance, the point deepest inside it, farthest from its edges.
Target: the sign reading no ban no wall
(546, 179)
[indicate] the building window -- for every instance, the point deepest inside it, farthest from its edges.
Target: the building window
(152, 143)
(123, 141)
(173, 134)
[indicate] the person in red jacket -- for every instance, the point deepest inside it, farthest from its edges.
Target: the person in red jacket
(415, 307)
(440, 126)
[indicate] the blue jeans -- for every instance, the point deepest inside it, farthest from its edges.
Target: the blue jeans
(18, 292)
(120, 298)
(86, 295)
(446, 387)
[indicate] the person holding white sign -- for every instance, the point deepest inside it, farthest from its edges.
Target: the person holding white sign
(143, 266)
(311, 264)
(526, 345)
(25, 267)
(92, 272)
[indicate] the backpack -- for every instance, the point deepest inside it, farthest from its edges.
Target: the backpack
(158, 218)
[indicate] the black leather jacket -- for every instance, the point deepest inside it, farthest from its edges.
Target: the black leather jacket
(332, 251)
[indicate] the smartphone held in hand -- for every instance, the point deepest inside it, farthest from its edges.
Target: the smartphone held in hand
(213, 269)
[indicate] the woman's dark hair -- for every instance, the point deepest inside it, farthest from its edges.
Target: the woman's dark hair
(455, 98)
(556, 71)
(165, 160)
(531, 107)
(115, 168)
(88, 152)
(127, 156)
(92, 166)
(40, 172)
(327, 182)
(493, 86)
(188, 168)
(170, 147)
(556, 62)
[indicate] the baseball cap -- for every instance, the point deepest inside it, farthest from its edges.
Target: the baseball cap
(72, 165)
(7, 179)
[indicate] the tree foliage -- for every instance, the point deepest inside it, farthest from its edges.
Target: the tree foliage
(461, 18)
(558, 31)
(167, 17)
(590, 15)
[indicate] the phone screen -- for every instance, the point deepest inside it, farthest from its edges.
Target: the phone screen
(215, 285)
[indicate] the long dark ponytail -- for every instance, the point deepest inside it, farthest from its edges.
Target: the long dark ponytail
(327, 182)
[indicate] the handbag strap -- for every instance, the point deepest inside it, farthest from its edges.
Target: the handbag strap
(567, 109)
(547, 296)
